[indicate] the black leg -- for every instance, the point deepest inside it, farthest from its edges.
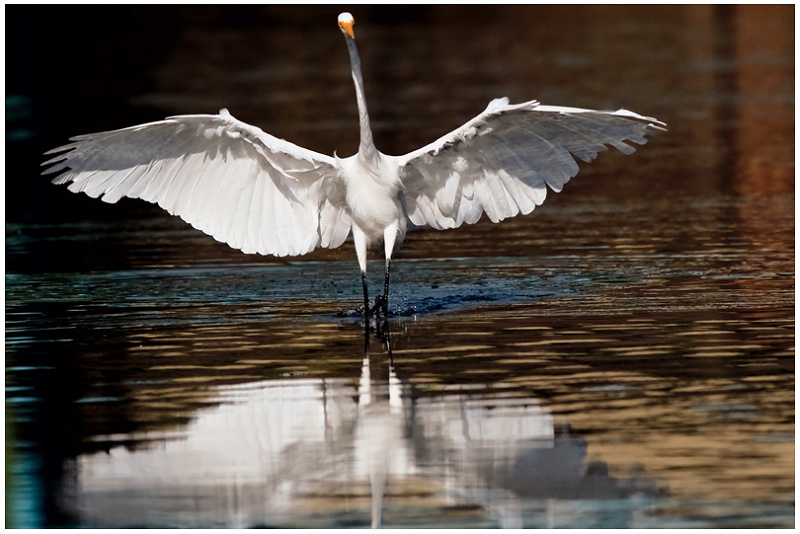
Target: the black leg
(386, 290)
(366, 296)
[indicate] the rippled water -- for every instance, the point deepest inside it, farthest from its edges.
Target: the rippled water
(623, 357)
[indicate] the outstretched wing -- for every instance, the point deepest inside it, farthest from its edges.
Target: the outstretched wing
(229, 179)
(500, 162)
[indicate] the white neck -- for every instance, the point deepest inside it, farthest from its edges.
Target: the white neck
(366, 147)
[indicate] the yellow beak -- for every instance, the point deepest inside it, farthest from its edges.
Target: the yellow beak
(348, 28)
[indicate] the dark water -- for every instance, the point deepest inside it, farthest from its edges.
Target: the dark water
(622, 357)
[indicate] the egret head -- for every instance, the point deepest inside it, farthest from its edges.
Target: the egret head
(346, 22)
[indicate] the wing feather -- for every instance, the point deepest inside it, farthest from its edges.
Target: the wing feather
(501, 162)
(231, 180)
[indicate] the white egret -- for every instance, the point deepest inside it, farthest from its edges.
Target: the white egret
(265, 195)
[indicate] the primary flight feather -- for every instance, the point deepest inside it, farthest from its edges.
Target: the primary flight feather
(265, 195)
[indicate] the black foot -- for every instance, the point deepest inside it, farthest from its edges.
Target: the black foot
(375, 308)
(381, 306)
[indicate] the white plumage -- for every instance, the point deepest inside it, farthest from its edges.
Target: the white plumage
(265, 195)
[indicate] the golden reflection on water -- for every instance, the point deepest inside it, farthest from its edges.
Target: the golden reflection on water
(700, 401)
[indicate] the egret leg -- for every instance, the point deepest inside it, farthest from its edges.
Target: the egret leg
(389, 238)
(366, 294)
(382, 302)
(360, 242)
(386, 289)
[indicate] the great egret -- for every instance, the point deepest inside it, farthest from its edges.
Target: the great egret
(265, 195)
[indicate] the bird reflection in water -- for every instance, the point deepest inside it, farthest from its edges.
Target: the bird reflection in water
(316, 452)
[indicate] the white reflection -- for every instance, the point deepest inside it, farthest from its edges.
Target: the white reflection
(314, 452)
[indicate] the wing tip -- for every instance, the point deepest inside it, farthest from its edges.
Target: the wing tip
(59, 163)
(653, 123)
(62, 148)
